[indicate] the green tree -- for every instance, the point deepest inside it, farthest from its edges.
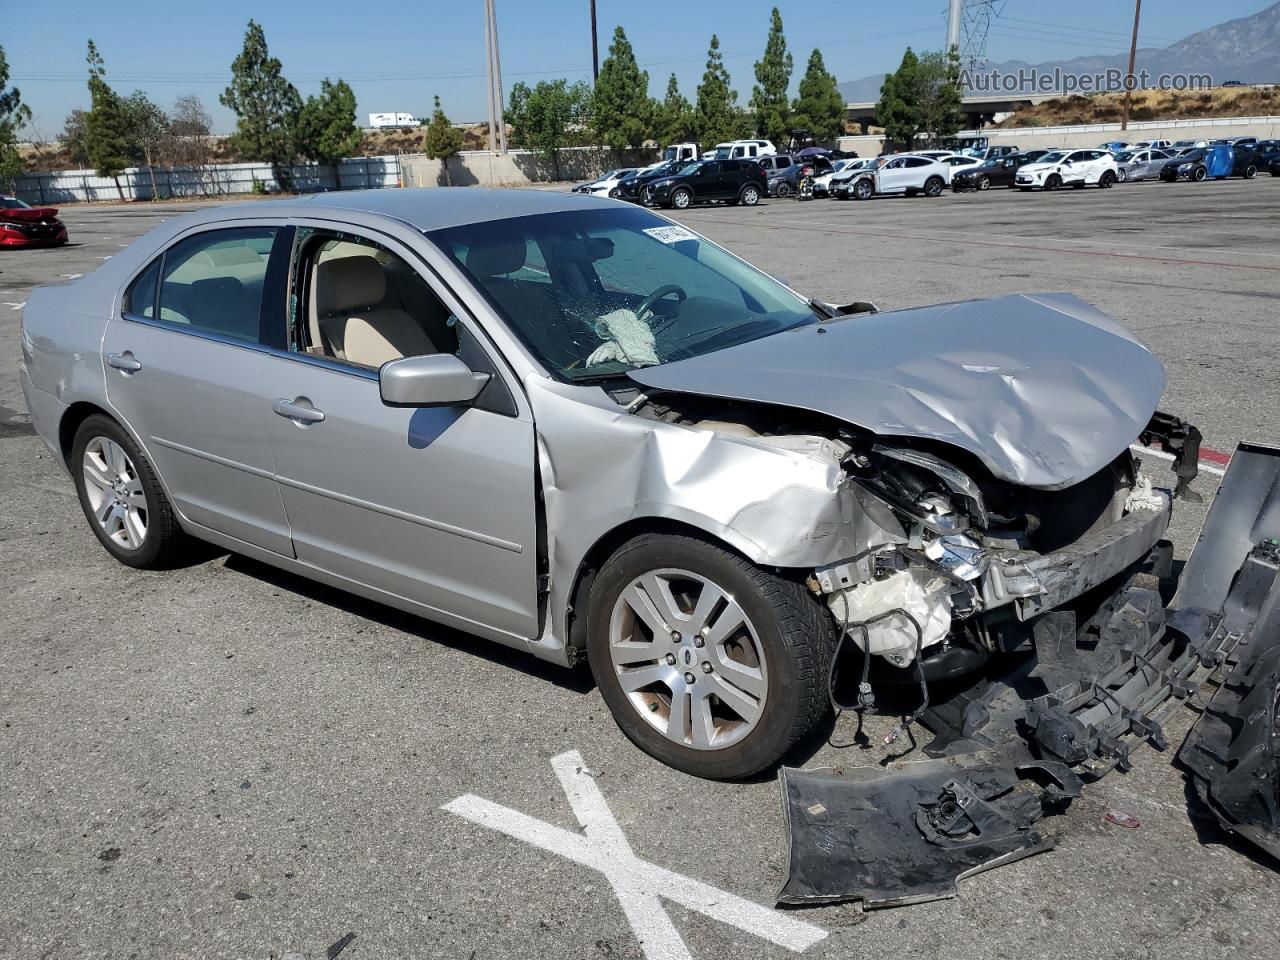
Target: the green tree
(674, 120)
(14, 115)
(717, 117)
(444, 140)
(550, 115)
(773, 76)
(148, 128)
(107, 124)
(899, 108)
(940, 113)
(819, 108)
(621, 106)
(74, 137)
(266, 107)
(326, 130)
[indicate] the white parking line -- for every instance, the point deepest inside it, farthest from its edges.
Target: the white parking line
(12, 305)
(637, 884)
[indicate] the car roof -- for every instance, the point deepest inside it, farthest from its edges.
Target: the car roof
(426, 208)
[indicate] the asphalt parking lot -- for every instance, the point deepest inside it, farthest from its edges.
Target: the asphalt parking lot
(229, 761)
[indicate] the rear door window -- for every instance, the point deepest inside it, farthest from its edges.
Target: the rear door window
(213, 281)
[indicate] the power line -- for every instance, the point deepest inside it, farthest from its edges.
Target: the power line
(1003, 33)
(1058, 34)
(1076, 29)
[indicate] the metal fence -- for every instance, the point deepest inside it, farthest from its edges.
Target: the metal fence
(211, 180)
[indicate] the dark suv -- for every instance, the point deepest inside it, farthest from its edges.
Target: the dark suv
(708, 181)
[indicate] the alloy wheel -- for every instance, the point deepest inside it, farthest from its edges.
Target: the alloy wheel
(115, 492)
(688, 659)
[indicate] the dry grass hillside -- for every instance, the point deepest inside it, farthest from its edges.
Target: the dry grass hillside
(1150, 105)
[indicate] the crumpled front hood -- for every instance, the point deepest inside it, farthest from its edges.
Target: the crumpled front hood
(1043, 388)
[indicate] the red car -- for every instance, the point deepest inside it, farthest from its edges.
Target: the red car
(26, 226)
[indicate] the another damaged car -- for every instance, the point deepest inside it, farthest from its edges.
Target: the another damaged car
(577, 428)
(22, 225)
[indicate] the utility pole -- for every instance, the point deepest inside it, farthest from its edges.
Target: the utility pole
(488, 63)
(953, 24)
(595, 46)
(1133, 53)
(497, 118)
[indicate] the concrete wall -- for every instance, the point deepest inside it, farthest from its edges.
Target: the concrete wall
(215, 179)
(1092, 134)
(518, 167)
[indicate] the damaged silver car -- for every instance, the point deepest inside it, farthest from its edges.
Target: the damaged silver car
(575, 427)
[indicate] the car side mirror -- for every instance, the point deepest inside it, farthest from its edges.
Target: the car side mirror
(433, 380)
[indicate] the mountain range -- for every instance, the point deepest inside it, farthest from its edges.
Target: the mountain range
(1245, 49)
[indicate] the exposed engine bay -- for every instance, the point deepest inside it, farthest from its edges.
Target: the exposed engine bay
(958, 563)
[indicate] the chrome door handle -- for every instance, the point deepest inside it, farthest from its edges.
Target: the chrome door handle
(124, 362)
(298, 409)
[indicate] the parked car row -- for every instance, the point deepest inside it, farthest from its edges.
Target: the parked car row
(730, 174)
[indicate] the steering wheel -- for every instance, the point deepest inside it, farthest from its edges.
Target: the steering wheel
(663, 291)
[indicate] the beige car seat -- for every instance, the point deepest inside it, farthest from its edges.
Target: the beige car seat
(354, 328)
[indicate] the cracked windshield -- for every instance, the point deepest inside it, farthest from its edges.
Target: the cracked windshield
(595, 293)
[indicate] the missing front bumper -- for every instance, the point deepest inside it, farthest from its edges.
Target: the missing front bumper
(1093, 693)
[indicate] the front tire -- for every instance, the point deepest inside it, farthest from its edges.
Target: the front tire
(122, 498)
(863, 190)
(681, 199)
(707, 662)
(1052, 182)
(1200, 175)
(1250, 172)
(984, 182)
(1121, 174)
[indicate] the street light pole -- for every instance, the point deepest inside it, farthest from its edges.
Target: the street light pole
(488, 63)
(1133, 53)
(497, 118)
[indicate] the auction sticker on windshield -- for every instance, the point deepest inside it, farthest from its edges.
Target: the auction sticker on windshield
(671, 234)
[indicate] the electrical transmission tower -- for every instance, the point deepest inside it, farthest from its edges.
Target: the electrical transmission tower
(968, 22)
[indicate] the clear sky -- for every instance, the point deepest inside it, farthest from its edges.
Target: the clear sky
(396, 54)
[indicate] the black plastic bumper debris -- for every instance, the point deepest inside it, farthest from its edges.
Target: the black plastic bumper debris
(1232, 754)
(890, 837)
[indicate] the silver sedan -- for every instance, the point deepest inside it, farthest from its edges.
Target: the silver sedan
(575, 427)
(1141, 164)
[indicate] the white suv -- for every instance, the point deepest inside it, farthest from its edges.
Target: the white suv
(1075, 168)
(909, 174)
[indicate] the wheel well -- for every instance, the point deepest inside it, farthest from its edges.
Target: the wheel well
(602, 549)
(76, 414)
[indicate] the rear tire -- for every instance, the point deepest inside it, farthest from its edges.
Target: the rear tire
(1107, 180)
(783, 190)
(933, 187)
(785, 644)
(750, 195)
(142, 530)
